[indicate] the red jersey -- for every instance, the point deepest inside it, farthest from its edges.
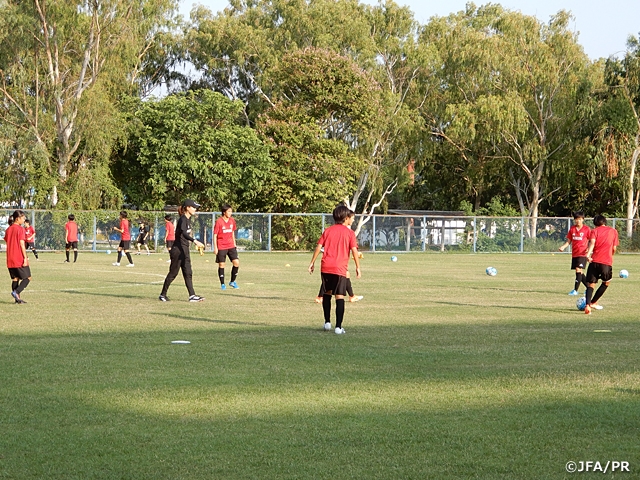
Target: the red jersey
(72, 231)
(30, 234)
(224, 231)
(14, 234)
(337, 241)
(124, 226)
(606, 238)
(579, 240)
(171, 231)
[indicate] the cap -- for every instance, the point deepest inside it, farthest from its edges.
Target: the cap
(190, 203)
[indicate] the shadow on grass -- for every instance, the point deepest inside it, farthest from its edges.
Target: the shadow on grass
(566, 311)
(96, 294)
(208, 320)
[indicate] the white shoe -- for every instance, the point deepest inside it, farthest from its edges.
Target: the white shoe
(115, 264)
(168, 261)
(596, 306)
(327, 326)
(356, 298)
(131, 265)
(340, 331)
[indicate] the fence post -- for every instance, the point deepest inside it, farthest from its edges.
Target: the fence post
(269, 242)
(155, 233)
(373, 234)
(95, 230)
(442, 236)
(475, 234)
(521, 234)
(423, 233)
(323, 222)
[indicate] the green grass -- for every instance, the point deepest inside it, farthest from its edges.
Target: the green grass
(444, 372)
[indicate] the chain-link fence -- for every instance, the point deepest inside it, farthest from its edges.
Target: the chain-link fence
(276, 232)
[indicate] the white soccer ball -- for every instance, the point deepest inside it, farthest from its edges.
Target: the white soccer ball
(624, 274)
(491, 271)
(394, 259)
(108, 252)
(581, 303)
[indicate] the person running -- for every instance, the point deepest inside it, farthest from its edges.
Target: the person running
(603, 242)
(339, 242)
(578, 238)
(17, 260)
(170, 233)
(71, 237)
(143, 235)
(224, 244)
(30, 234)
(180, 256)
(125, 239)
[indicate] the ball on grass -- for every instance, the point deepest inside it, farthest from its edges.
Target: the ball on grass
(394, 259)
(108, 252)
(491, 271)
(624, 274)
(581, 303)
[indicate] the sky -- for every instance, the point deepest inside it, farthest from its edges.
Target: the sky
(602, 26)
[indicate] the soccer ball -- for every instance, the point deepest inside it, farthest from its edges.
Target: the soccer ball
(394, 259)
(108, 252)
(581, 303)
(624, 274)
(491, 271)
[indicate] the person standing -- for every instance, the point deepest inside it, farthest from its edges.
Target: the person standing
(125, 239)
(578, 238)
(224, 245)
(170, 233)
(603, 243)
(143, 235)
(17, 260)
(71, 237)
(339, 242)
(30, 234)
(180, 256)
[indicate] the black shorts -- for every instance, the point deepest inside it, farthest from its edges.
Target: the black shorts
(71, 245)
(29, 245)
(336, 284)
(599, 271)
(125, 244)
(232, 253)
(141, 241)
(170, 244)
(21, 272)
(578, 262)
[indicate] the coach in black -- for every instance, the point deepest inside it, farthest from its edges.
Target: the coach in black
(179, 254)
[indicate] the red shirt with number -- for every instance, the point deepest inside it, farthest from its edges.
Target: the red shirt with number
(224, 231)
(13, 235)
(72, 231)
(171, 231)
(606, 238)
(337, 241)
(579, 240)
(30, 234)
(124, 226)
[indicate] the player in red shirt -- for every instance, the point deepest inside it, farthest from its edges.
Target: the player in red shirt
(339, 242)
(603, 242)
(578, 238)
(71, 237)
(17, 260)
(125, 239)
(170, 233)
(224, 244)
(30, 237)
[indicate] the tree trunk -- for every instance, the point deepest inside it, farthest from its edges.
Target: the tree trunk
(631, 200)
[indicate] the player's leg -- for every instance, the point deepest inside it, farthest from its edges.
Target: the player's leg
(33, 249)
(67, 249)
(235, 261)
(327, 289)
(603, 288)
(606, 274)
(120, 247)
(174, 268)
(138, 247)
(75, 252)
(147, 248)
(187, 274)
(220, 259)
(320, 294)
(22, 277)
(126, 247)
(340, 291)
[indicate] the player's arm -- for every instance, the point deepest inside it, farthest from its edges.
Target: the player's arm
(23, 247)
(354, 251)
(592, 243)
(215, 243)
(66, 235)
(563, 246)
(316, 252)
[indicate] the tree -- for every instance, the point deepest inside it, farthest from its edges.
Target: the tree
(191, 145)
(62, 62)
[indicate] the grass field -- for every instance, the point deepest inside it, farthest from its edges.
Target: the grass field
(444, 372)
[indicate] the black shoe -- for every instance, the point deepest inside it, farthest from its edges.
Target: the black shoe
(196, 298)
(163, 298)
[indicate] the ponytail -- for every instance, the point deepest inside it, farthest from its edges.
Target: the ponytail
(181, 210)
